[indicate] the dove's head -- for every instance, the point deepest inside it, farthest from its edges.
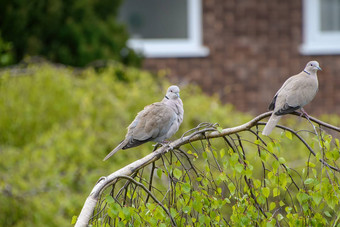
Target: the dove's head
(173, 92)
(312, 66)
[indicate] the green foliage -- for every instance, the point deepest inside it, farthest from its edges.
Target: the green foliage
(237, 187)
(70, 32)
(58, 124)
(6, 52)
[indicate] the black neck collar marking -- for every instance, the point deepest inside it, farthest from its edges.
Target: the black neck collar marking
(306, 72)
(166, 97)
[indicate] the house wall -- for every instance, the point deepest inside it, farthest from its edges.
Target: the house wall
(254, 48)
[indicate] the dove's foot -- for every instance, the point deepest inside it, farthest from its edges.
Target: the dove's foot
(165, 143)
(303, 112)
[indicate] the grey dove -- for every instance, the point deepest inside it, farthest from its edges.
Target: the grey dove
(156, 122)
(295, 93)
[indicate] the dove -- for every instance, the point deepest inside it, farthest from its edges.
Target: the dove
(156, 122)
(295, 93)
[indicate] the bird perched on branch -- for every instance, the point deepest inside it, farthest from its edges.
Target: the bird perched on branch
(156, 122)
(296, 92)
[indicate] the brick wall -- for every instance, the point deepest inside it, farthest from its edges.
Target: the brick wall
(254, 48)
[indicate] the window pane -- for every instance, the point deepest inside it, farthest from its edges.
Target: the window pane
(330, 15)
(155, 19)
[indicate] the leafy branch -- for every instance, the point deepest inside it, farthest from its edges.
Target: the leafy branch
(194, 182)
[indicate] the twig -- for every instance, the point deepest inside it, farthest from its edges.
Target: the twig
(152, 196)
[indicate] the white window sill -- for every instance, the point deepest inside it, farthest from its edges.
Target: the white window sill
(168, 49)
(319, 49)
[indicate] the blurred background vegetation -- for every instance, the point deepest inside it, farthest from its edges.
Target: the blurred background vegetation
(69, 32)
(57, 124)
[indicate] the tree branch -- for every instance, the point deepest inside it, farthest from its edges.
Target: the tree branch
(199, 133)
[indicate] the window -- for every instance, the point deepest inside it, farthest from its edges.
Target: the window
(321, 27)
(160, 28)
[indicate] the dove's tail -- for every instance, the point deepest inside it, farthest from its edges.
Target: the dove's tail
(273, 120)
(120, 146)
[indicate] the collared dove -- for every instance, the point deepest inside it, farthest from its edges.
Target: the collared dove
(296, 92)
(156, 122)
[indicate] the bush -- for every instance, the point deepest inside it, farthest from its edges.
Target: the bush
(6, 52)
(70, 32)
(58, 124)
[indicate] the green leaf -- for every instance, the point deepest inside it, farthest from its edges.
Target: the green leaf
(222, 153)
(310, 164)
(177, 173)
(266, 192)
(270, 224)
(302, 197)
(223, 177)
(289, 135)
(186, 188)
(186, 209)
(275, 164)
(309, 181)
(239, 167)
(159, 172)
(261, 199)
(114, 209)
(270, 147)
(257, 183)
(126, 212)
(219, 129)
(227, 200)
(272, 206)
(249, 173)
(327, 145)
(219, 190)
(74, 220)
(327, 214)
(109, 199)
(173, 212)
(234, 158)
(276, 192)
(282, 160)
(263, 155)
(197, 205)
(317, 197)
(232, 188)
(204, 155)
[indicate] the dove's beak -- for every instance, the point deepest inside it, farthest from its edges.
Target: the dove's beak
(178, 95)
(319, 68)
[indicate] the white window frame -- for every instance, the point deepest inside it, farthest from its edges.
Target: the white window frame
(167, 48)
(315, 41)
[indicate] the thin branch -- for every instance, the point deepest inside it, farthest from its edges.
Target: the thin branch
(149, 193)
(150, 181)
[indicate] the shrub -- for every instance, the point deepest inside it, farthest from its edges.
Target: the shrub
(70, 32)
(6, 52)
(57, 125)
